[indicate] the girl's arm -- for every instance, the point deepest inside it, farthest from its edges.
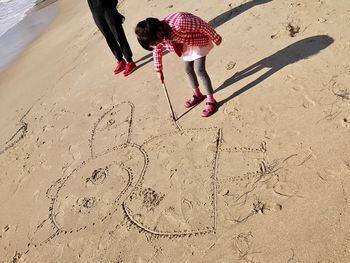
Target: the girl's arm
(158, 57)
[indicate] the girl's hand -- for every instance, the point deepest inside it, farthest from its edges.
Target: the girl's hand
(160, 76)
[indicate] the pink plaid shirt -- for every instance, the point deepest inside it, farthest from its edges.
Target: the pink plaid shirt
(187, 29)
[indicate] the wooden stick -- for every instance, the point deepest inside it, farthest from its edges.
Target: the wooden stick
(169, 103)
(170, 107)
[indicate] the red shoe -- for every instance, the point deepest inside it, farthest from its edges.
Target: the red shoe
(194, 100)
(120, 67)
(210, 108)
(130, 67)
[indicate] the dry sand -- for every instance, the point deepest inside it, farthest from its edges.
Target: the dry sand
(94, 170)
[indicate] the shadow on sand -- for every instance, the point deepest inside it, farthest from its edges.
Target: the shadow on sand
(299, 50)
(228, 15)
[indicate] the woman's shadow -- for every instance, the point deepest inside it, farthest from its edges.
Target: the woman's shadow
(228, 15)
(299, 50)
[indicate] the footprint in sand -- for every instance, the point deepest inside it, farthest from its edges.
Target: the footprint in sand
(346, 122)
(307, 102)
(339, 87)
(270, 117)
(230, 65)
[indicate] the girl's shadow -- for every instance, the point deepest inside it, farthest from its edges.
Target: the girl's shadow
(302, 49)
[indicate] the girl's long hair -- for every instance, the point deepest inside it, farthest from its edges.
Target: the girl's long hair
(147, 32)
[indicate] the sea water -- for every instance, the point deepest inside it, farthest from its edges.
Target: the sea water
(12, 12)
(20, 24)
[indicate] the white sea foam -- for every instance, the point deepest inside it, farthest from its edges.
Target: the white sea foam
(13, 39)
(12, 12)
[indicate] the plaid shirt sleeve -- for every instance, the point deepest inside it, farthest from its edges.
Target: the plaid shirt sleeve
(194, 24)
(157, 57)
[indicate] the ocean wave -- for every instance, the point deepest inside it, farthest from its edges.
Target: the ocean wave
(12, 12)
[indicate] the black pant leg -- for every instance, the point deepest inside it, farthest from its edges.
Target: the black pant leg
(115, 24)
(104, 26)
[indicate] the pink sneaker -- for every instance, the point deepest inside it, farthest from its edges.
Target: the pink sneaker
(120, 67)
(129, 68)
(210, 108)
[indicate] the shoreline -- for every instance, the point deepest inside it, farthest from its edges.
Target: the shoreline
(20, 36)
(40, 4)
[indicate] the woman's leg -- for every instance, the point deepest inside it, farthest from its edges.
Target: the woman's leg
(103, 26)
(116, 27)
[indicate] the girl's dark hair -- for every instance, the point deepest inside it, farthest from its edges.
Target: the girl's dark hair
(147, 32)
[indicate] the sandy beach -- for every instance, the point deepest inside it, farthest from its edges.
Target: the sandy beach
(94, 169)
